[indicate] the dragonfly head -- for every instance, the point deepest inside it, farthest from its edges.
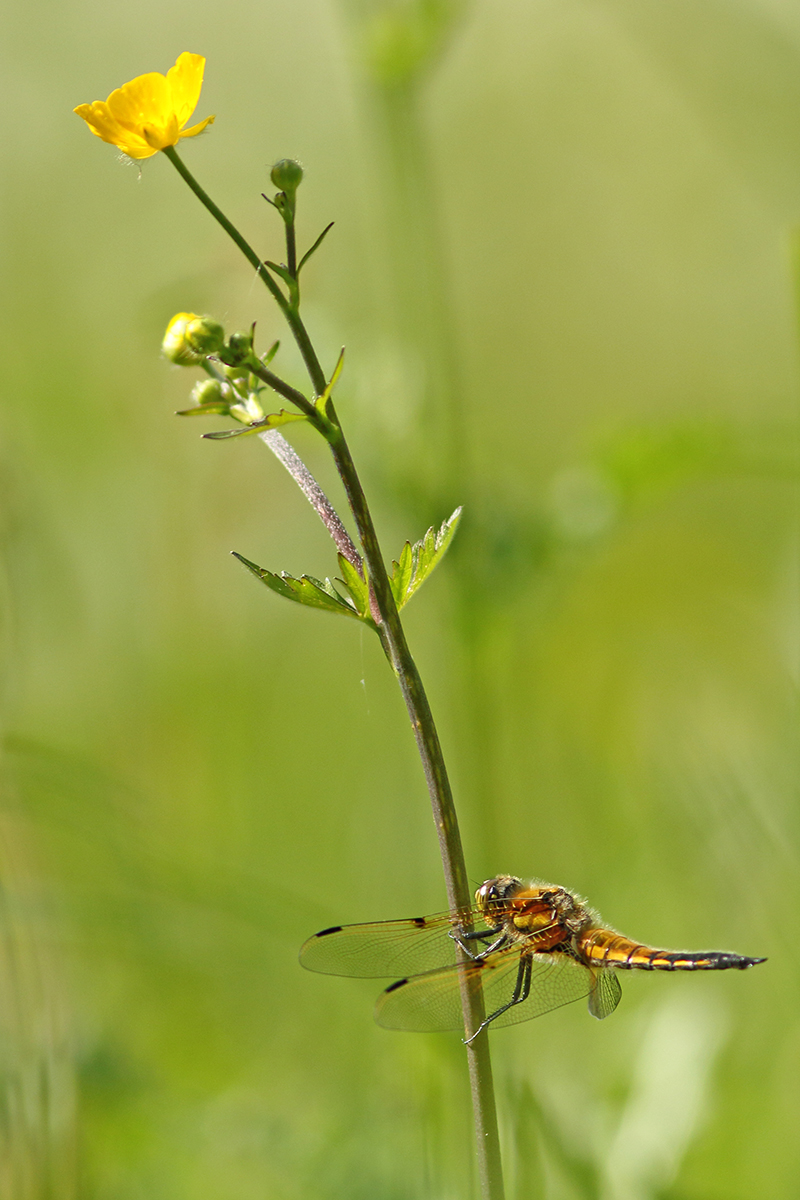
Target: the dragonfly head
(491, 896)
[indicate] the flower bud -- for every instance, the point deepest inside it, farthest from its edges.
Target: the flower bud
(205, 335)
(287, 175)
(189, 339)
(210, 391)
(239, 348)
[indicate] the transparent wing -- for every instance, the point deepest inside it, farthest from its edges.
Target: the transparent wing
(605, 994)
(387, 947)
(432, 1001)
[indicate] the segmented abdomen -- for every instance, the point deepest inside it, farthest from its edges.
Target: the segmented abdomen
(603, 947)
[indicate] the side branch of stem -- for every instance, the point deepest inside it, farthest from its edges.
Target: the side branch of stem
(313, 493)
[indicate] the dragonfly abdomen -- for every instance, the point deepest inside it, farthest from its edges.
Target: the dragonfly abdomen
(603, 947)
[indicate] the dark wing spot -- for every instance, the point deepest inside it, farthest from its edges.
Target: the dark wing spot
(394, 986)
(325, 932)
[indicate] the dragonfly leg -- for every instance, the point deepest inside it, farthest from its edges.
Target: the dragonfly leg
(460, 936)
(522, 989)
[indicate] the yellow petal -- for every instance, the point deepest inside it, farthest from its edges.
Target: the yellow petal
(134, 147)
(99, 119)
(143, 101)
(103, 125)
(195, 129)
(185, 80)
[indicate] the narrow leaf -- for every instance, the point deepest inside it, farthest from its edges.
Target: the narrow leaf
(306, 590)
(219, 409)
(416, 562)
(267, 357)
(273, 421)
(316, 246)
(285, 275)
(322, 401)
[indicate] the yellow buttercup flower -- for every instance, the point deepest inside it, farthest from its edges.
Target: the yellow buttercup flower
(149, 113)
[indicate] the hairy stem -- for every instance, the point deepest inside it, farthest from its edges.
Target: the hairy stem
(313, 493)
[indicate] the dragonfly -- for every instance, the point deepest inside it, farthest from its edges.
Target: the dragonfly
(533, 946)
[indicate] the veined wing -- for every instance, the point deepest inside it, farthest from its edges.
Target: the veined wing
(384, 948)
(432, 1001)
(605, 995)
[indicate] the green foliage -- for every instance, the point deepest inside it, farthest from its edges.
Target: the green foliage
(273, 421)
(322, 401)
(306, 590)
(357, 585)
(416, 562)
(285, 275)
(313, 248)
(268, 355)
(218, 408)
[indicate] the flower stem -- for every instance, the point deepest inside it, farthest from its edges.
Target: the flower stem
(393, 640)
(231, 230)
(290, 313)
(291, 249)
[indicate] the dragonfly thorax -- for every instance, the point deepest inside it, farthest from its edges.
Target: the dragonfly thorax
(568, 910)
(541, 911)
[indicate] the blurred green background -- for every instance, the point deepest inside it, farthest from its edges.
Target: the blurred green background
(561, 266)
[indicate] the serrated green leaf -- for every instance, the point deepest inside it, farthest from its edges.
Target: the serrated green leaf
(357, 586)
(273, 421)
(321, 402)
(306, 590)
(416, 562)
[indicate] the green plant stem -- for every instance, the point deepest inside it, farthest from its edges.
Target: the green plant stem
(444, 812)
(291, 249)
(231, 230)
(397, 651)
(284, 389)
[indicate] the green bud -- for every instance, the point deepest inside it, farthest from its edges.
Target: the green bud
(287, 175)
(210, 391)
(248, 411)
(239, 348)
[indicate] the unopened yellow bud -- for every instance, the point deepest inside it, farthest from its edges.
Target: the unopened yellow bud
(189, 339)
(205, 335)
